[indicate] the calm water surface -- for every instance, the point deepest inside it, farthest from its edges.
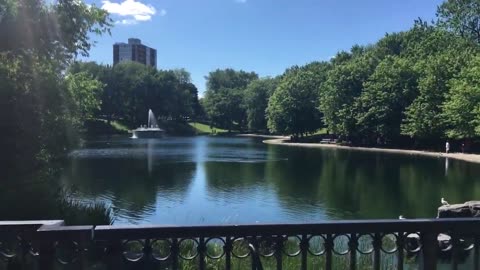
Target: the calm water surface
(212, 180)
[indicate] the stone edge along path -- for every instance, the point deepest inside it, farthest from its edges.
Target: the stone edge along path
(465, 157)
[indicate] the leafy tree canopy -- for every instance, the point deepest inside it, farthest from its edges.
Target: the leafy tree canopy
(224, 97)
(292, 109)
(256, 99)
(461, 17)
(462, 105)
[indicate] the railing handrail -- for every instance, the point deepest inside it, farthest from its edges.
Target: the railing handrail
(438, 225)
(30, 222)
(27, 226)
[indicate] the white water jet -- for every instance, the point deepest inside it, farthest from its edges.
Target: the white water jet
(152, 122)
(151, 130)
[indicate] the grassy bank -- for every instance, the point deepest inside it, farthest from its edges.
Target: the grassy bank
(102, 127)
(203, 129)
(119, 127)
(180, 128)
(176, 128)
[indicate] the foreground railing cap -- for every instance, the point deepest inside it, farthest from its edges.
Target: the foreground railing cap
(31, 222)
(340, 226)
(28, 225)
(465, 225)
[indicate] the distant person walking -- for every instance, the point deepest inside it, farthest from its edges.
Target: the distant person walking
(447, 147)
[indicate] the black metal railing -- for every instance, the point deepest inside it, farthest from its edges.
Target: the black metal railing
(369, 244)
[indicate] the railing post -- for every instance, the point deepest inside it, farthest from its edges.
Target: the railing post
(147, 253)
(304, 245)
(377, 244)
(46, 248)
(328, 251)
(400, 250)
(174, 252)
(201, 253)
(25, 247)
(47, 254)
(455, 250)
(253, 252)
(228, 252)
(114, 256)
(352, 246)
(253, 247)
(430, 249)
(278, 252)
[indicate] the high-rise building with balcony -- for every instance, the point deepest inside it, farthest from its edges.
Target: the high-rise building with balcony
(134, 50)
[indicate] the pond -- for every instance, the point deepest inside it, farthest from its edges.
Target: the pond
(233, 180)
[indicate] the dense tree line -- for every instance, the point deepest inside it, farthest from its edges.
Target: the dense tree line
(417, 86)
(41, 109)
(397, 88)
(131, 89)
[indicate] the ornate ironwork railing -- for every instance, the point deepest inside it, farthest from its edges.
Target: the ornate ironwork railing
(369, 244)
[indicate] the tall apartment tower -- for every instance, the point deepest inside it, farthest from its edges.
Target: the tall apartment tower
(134, 50)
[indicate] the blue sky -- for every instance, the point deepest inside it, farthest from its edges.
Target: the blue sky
(265, 36)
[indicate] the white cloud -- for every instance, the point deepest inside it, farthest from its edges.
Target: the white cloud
(127, 22)
(135, 11)
(142, 17)
(241, 1)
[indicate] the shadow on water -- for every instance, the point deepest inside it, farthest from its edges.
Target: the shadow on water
(130, 179)
(29, 197)
(40, 197)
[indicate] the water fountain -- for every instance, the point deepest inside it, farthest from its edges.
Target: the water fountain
(151, 130)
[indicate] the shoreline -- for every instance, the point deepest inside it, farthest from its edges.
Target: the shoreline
(252, 135)
(474, 158)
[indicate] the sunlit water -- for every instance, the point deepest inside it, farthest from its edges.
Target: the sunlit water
(215, 180)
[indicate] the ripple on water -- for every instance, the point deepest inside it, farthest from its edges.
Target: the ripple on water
(176, 155)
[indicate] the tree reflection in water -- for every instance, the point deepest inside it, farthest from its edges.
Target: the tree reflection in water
(211, 180)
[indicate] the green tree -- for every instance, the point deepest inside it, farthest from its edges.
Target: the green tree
(461, 17)
(189, 92)
(37, 42)
(131, 89)
(94, 69)
(435, 56)
(387, 92)
(256, 101)
(423, 118)
(343, 85)
(191, 105)
(57, 32)
(84, 94)
(462, 106)
(127, 84)
(224, 108)
(182, 75)
(109, 96)
(229, 78)
(224, 96)
(292, 109)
